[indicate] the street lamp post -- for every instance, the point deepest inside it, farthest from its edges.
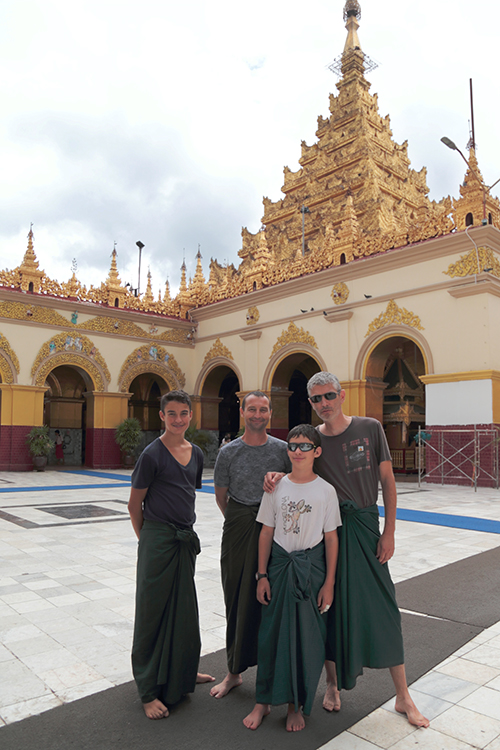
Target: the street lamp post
(140, 245)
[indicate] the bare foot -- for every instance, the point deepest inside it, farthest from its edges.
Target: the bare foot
(254, 719)
(294, 719)
(331, 701)
(407, 706)
(155, 709)
(229, 682)
(201, 678)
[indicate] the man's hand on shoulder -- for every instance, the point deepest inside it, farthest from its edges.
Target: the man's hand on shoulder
(271, 480)
(385, 547)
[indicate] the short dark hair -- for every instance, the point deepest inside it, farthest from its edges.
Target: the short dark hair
(307, 431)
(259, 394)
(180, 396)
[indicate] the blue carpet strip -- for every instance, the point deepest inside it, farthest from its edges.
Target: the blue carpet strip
(444, 519)
(403, 514)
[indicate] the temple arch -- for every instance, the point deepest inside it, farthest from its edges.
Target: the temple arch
(216, 397)
(285, 378)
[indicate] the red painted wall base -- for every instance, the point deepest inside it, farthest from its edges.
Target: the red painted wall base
(14, 453)
(101, 451)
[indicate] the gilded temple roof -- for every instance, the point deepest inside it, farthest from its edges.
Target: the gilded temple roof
(354, 194)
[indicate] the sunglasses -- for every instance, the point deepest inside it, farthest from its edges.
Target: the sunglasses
(304, 447)
(330, 396)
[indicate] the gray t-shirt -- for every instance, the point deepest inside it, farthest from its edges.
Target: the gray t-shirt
(171, 486)
(350, 461)
(242, 468)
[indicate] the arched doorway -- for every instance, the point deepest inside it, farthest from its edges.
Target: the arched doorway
(396, 396)
(289, 393)
(65, 409)
(220, 407)
(144, 404)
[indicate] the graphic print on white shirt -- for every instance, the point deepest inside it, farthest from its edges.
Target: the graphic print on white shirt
(291, 512)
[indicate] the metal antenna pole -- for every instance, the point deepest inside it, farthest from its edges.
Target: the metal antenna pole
(472, 116)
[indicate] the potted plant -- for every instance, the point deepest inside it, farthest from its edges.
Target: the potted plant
(128, 436)
(40, 446)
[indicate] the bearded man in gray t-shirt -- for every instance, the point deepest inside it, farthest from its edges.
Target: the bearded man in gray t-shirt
(239, 475)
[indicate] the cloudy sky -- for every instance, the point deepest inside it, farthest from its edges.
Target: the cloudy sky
(168, 122)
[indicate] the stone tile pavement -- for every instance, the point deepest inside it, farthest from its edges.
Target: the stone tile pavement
(67, 570)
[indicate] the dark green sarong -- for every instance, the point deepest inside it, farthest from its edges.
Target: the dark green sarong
(292, 631)
(239, 548)
(166, 646)
(364, 624)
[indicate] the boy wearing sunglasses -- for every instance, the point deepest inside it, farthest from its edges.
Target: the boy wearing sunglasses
(295, 581)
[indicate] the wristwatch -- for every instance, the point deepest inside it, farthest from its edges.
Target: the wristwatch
(258, 576)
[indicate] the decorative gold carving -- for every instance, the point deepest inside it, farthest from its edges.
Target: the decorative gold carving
(217, 350)
(293, 335)
(122, 327)
(395, 315)
(151, 358)
(69, 358)
(36, 313)
(6, 375)
(101, 323)
(340, 293)
(77, 350)
(467, 265)
(6, 348)
(253, 316)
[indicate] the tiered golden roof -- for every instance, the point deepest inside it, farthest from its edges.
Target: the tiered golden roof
(353, 195)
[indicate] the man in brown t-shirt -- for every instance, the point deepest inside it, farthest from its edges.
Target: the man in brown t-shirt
(364, 624)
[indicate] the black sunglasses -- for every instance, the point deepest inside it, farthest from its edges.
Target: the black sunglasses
(330, 396)
(304, 447)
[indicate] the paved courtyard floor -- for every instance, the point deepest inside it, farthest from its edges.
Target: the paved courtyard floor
(67, 571)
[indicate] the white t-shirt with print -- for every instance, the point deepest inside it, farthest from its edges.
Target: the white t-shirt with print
(300, 513)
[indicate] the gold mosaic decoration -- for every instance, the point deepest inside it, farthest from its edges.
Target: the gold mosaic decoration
(253, 316)
(151, 358)
(6, 348)
(101, 323)
(340, 293)
(467, 265)
(293, 335)
(394, 315)
(36, 313)
(75, 350)
(217, 350)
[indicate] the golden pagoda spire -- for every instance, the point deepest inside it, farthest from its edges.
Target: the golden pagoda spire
(198, 286)
(148, 295)
(352, 12)
(113, 277)
(183, 285)
(476, 205)
(166, 297)
(183, 299)
(30, 274)
(115, 292)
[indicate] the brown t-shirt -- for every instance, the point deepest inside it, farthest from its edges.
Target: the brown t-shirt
(350, 461)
